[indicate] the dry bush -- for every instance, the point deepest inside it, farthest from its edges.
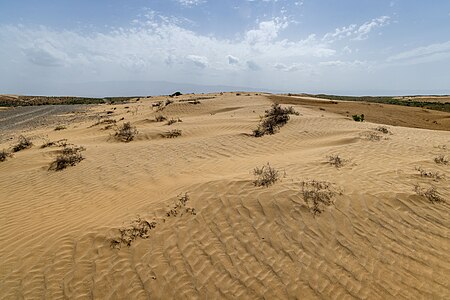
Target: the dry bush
(195, 102)
(126, 133)
(265, 176)
(273, 120)
(383, 129)
(336, 160)
(173, 121)
(172, 133)
(430, 174)
(431, 194)
(69, 156)
(179, 206)
(317, 195)
(58, 143)
(137, 228)
(441, 159)
(23, 143)
(4, 154)
(160, 118)
(60, 127)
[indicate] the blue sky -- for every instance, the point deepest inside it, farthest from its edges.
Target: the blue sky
(84, 47)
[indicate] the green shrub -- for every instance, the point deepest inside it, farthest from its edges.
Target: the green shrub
(273, 120)
(358, 118)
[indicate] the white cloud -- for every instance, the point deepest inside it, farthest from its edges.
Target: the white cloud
(355, 32)
(430, 53)
(364, 30)
(199, 61)
(232, 60)
(339, 63)
(190, 3)
(266, 32)
(287, 68)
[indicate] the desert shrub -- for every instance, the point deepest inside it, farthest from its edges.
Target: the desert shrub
(358, 118)
(69, 156)
(317, 195)
(138, 228)
(431, 194)
(126, 133)
(160, 118)
(23, 143)
(430, 174)
(173, 133)
(441, 159)
(336, 160)
(273, 120)
(168, 102)
(60, 127)
(173, 121)
(180, 206)
(265, 176)
(383, 129)
(58, 143)
(195, 102)
(4, 154)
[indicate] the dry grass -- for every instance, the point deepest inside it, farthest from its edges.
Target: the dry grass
(58, 143)
(179, 207)
(441, 159)
(336, 160)
(173, 121)
(383, 129)
(69, 156)
(317, 195)
(126, 133)
(431, 194)
(23, 143)
(430, 174)
(265, 176)
(4, 154)
(160, 118)
(172, 134)
(60, 127)
(137, 228)
(105, 121)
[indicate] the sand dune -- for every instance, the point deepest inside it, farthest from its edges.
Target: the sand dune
(380, 240)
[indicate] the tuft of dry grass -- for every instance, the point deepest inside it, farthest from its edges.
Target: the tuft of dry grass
(4, 154)
(60, 127)
(317, 195)
(58, 143)
(126, 133)
(104, 122)
(69, 156)
(173, 121)
(172, 133)
(265, 176)
(23, 143)
(160, 118)
(430, 174)
(336, 160)
(179, 207)
(431, 194)
(441, 159)
(138, 228)
(383, 129)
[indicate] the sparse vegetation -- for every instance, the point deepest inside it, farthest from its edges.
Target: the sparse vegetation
(273, 120)
(179, 207)
(317, 195)
(265, 176)
(105, 121)
(336, 160)
(138, 227)
(23, 143)
(60, 127)
(4, 154)
(441, 159)
(70, 156)
(358, 118)
(59, 143)
(372, 136)
(383, 129)
(430, 174)
(160, 118)
(195, 102)
(431, 194)
(173, 133)
(173, 121)
(126, 133)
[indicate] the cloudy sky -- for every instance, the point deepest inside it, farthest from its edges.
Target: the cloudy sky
(105, 47)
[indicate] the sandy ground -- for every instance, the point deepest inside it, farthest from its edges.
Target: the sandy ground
(380, 240)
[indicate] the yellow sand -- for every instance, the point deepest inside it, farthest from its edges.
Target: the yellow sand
(380, 240)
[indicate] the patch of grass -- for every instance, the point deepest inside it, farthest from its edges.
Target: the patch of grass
(126, 133)
(179, 207)
(4, 154)
(431, 194)
(383, 129)
(273, 120)
(430, 174)
(23, 143)
(441, 159)
(70, 156)
(336, 160)
(173, 121)
(317, 195)
(59, 143)
(138, 228)
(60, 127)
(265, 176)
(358, 118)
(173, 133)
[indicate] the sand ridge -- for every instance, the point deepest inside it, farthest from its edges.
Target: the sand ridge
(380, 240)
